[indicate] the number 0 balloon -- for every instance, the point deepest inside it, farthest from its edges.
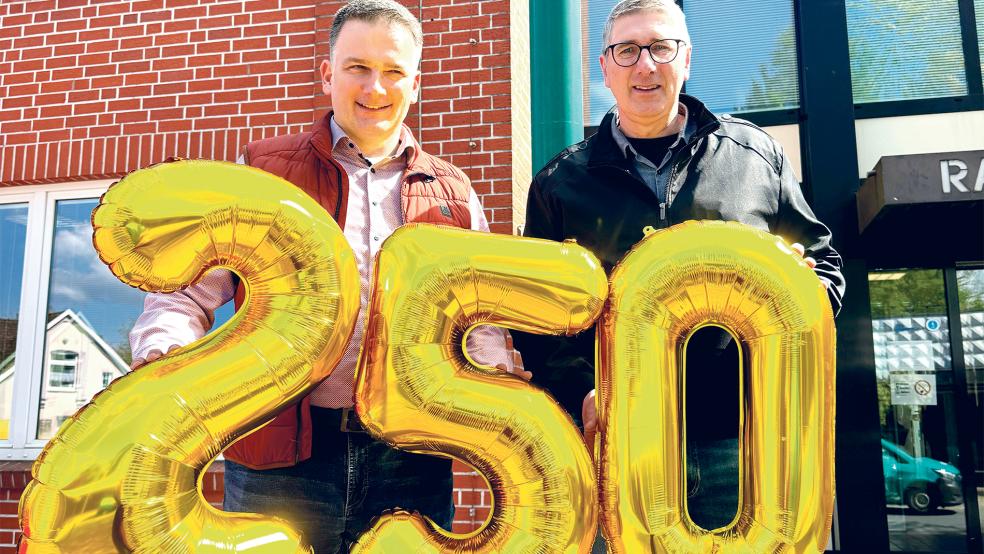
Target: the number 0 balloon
(122, 474)
(749, 282)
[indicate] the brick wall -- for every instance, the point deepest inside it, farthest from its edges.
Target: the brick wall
(94, 89)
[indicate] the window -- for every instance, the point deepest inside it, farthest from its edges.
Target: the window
(745, 56)
(64, 318)
(905, 50)
(61, 371)
(979, 16)
(13, 234)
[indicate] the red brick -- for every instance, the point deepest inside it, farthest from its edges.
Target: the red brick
(167, 63)
(171, 38)
(169, 88)
(61, 15)
(72, 25)
(296, 52)
(102, 46)
(212, 47)
(178, 75)
(231, 32)
(139, 129)
(178, 50)
(214, 22)
(268, 17)
(181, 25)
(69, 50)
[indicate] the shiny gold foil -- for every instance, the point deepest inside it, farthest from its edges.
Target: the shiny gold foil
(417, 390)
(751, 283)
(123, 474)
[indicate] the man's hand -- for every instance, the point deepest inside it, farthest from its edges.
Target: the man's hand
(802, 252)
(151, 356)
(798, 248)
(516, 370)
(589, 416)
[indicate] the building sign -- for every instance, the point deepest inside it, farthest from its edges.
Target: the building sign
(913, 389)
(955, 177)
(920, 186)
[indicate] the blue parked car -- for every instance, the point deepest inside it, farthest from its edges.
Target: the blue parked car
(922, 484)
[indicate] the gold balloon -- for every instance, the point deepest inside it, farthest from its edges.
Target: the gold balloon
(749, 282)
(123, 473)
(418, 391)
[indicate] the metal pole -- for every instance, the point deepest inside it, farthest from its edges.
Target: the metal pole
(555, 75)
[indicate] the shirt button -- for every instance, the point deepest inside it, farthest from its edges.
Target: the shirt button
(372, 170)
(376, 238)
(374, 203)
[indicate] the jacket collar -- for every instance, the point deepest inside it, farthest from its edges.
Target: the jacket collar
(606, 151)
(321, 140)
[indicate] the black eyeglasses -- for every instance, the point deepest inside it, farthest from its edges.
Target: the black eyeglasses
(664, 50)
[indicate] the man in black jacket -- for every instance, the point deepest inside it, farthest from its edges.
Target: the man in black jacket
(661, 158)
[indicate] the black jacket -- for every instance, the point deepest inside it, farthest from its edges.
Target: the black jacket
(729, 170)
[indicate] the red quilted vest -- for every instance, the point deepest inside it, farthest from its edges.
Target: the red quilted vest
(305, 160)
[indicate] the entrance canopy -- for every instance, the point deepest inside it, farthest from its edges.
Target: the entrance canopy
(923, 210)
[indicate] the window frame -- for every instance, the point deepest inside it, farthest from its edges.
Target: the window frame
(972, 101)
(74, 363)
(41, 201)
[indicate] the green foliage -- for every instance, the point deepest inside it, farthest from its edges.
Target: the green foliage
(763, 94)
(920, 293)
(917, 293)
(903, 49)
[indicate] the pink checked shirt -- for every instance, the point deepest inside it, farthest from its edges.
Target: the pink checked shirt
(373, 214)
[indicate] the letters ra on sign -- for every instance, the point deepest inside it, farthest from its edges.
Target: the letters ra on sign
(955, 178)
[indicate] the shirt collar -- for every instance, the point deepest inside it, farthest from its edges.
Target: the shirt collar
(342, 140)
(686, 132)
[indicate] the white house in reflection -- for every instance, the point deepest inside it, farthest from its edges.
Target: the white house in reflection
(78, 363)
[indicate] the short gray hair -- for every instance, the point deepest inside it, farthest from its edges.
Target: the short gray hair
(627, 7)
(375, 10)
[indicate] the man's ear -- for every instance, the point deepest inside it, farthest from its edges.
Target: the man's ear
(325, 69)
(686, 63)
(416, 88)
(603, 61)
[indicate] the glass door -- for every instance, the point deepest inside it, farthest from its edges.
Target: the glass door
(917, 410)
(970, 303)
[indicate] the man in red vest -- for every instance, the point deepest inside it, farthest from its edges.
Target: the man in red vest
(314, 465)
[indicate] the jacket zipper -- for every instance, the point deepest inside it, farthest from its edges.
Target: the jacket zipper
(297, 438)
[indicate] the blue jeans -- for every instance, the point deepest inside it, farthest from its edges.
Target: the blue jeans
(349, 480)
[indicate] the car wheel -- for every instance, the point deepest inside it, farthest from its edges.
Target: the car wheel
(920, 499)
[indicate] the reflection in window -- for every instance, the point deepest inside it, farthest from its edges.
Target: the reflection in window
(61, 372)
(970, 291)
(979, 11)
(905, 50)
(13, 232)
(89, 316)
(914, 371)
(745, 56)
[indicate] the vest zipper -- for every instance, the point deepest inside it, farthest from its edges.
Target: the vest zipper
(338, 193)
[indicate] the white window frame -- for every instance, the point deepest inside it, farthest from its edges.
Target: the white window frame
(29, 365)
(74, 363)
